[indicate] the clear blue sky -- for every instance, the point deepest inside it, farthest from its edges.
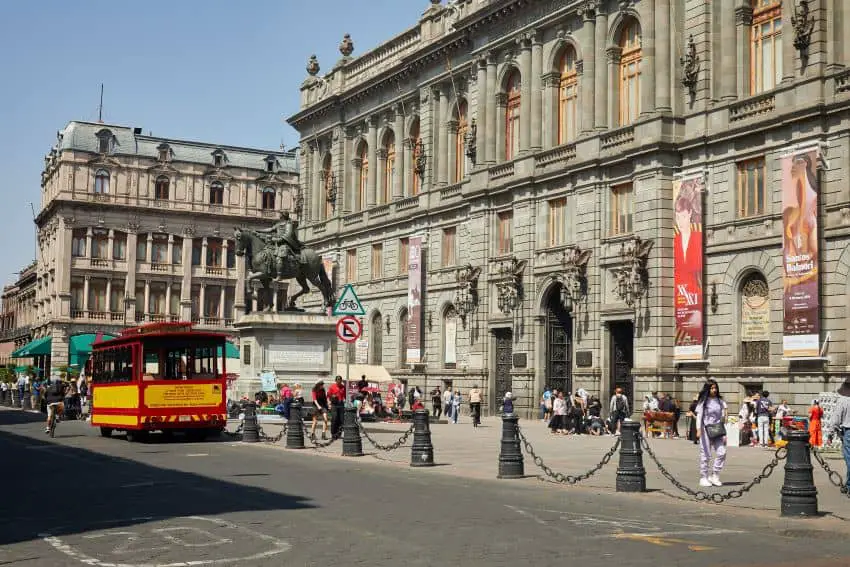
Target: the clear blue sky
(217, 71)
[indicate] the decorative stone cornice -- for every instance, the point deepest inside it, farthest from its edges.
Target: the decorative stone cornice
(614, 53)
(744, 15)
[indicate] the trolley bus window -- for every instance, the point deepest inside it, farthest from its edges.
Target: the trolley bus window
(180, 362)
(113, 365)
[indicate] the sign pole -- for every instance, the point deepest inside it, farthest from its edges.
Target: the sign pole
(348, 347)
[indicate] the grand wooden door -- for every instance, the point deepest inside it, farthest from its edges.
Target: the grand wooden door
(622, 359)
(559, 346)
(504, 362)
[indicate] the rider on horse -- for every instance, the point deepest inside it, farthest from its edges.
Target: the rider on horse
(284, 238)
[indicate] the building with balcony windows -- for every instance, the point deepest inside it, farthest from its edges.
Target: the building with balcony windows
(605, 193)
(17, 316)
(134, 228)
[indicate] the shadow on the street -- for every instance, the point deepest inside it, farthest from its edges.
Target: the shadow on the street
(54, 488)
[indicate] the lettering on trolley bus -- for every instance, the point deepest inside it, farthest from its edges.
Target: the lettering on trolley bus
(182, 395)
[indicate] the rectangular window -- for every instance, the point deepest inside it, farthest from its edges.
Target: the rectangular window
(246, 354)
(196, 252)
(351, 265)
(142, 248)
(449, 252)
(766, 46)
(159, 249)
(174, 308)
(78, 243)
(119, 247)
(504, 232)
(214, 253)
(116, 299)
(403, 255)
(557, 222)
(622, 208)
(377, 260)
(177, 251)
(751, 192)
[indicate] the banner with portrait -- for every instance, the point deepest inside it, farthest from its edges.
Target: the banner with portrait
(414, 300)
(688, 266)
(801, 285)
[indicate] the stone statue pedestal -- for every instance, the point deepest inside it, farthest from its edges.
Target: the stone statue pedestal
(297, 347)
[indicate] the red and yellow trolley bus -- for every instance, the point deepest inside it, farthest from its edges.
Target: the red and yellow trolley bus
(159, 377)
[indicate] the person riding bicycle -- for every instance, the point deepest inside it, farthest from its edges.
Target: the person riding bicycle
(55, 398)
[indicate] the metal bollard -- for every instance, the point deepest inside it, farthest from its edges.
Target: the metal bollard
(295, 427)
(511, 464)
(422, 452)
(799, 494)
(250, 428)
(352, 445)
(631, 476)
(26, 402)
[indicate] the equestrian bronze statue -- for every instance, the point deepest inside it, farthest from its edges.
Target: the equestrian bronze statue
(276, 254)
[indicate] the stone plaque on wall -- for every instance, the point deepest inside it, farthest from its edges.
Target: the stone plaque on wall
(584, 358)
(520, 360)
(295, 355)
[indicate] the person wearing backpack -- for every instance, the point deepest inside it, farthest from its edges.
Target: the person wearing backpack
(763, 408)
(619, 410)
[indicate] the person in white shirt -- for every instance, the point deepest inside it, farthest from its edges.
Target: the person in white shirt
(781, 411)
(447, 403)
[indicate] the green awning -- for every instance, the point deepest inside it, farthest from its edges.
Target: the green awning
(21, 368)
(38, 347)
(230, 349)
(79, 348)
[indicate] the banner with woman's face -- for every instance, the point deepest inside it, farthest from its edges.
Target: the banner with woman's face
(688, 266)
(801, 286)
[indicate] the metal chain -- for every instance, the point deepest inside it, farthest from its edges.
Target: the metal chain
(562, 478)
(834, 477)
(391, 447)
(716, 497)
(320, 444)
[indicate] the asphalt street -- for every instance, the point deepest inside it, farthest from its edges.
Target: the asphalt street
(81, 499)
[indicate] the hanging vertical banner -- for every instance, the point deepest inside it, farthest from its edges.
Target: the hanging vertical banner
(688, 266)
(801, 321)
(414, 300)
(450, 354)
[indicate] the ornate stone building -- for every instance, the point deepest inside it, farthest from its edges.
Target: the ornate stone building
(134, 228)
(537, 146)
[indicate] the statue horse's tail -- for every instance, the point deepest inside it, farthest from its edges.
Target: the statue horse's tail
(328, 286)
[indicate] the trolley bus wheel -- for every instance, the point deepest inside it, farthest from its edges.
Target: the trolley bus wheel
(106, 432)
(134, 436)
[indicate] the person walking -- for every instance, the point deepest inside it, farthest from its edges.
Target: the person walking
(618, 409)
(547, 404)
(763, 407)
(320, 408)
(447, 402)
(457, 400)
(711, 431)
(437, 402)
(559, 409)
(475, 405)
(839, 424)
(336, 394)
(815, 417)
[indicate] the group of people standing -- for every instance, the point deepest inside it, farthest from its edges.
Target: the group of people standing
(450, 402)
(569, 413)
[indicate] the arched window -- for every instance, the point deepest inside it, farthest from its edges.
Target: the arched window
(363, 182)
(101, 182)
(268, 199)
(416, 150)
(512, 90)
(765, 45)
(630, 63)
(568, 97)
(450, 338)
(403, 321)
(216, 193)
(161, 188)
(327, 187)
(389, 167)
(460, 141)
(376, 346)
(755, 321)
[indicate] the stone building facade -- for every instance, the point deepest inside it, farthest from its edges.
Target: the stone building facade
(17, 315)
(134, 228)
(538, 144)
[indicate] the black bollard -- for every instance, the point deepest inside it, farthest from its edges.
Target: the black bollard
(352, 445)
(250, 428)
(295, 427)
(25, 402)
(511, 464)
(799, 494)
(631, 476)
(422, 453)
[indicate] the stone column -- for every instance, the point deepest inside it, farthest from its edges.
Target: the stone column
(130, 283)
(613, 55)
(726, 78)
(202, 302)
(316, 191)
(743, 21)
(88, 242)
(451, 151)
(382, 190)
(536, 91)
(440, 153)
(86, 286)
(239, 292)
(169, 259)
(371, 185)
(146, 308)
(221, 304)
(551, 85)
(204, 246)
(356, 167)
(186, 284)
(525, 94)
(109, 295)
(344, 184)
(110, 247)
(225, 245)
(788, 50)
(663, 49)
(481, 110)
(587, 96)
(600, 77)
(167, 299)
(149, 248)
(400, 156)
(647, 80)
(490, 129)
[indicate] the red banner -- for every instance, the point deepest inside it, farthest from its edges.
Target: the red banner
(801, 321)
(414, 300)
(688, 267)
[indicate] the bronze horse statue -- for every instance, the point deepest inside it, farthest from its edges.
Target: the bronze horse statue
(303, 267)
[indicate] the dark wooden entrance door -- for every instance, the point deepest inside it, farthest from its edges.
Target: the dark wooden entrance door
(559, 347)
(504, 362)
(622, 359)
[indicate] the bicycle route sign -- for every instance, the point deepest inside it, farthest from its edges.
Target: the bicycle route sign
(349, 329)
(349, 303)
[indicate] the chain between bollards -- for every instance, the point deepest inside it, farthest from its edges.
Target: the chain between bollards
(392, 446)
(835, 477)
(562, 478)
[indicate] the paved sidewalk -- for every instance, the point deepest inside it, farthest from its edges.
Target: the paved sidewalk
(468, 452)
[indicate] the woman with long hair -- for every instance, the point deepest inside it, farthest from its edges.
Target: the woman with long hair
(711, 423)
